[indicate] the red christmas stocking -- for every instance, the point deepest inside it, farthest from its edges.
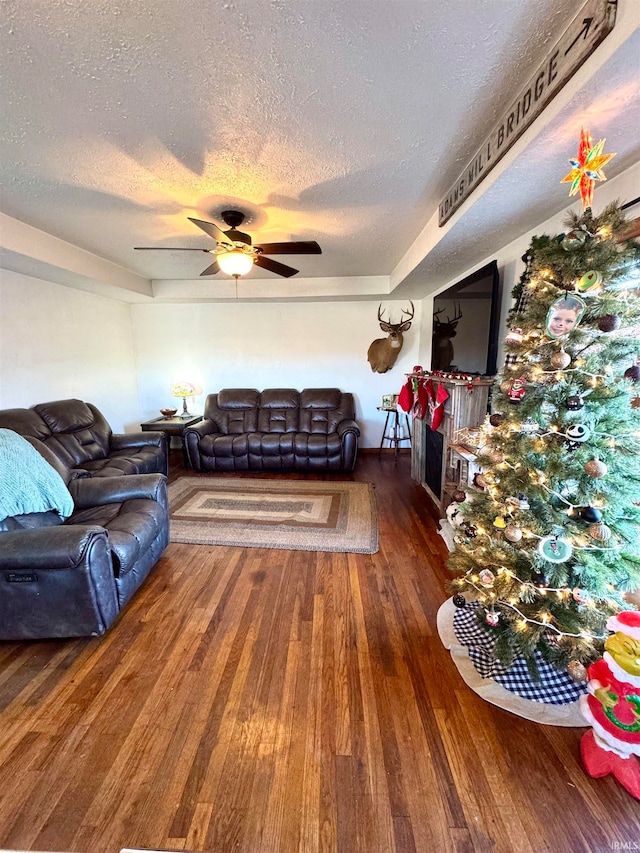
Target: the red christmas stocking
(422, 402)
(437, 413)
(405, 397)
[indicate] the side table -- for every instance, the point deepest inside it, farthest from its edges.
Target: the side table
(172, 426)
(390, 433)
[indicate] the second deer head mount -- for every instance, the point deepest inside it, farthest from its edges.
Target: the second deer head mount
(442, 348)
(383, 352)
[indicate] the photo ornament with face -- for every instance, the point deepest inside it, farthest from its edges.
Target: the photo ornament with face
(564, 315)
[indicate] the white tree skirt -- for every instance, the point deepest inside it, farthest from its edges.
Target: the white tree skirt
(491, 691)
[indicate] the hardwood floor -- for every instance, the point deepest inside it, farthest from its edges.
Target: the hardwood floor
(277, 701)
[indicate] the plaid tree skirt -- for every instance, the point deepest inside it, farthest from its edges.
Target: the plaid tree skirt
(554, 687)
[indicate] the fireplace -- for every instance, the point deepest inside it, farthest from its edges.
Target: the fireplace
(430, 448)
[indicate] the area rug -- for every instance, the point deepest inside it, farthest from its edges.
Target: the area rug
(292, 514)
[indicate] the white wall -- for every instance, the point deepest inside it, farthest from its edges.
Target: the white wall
(56, 343)
(261, 345)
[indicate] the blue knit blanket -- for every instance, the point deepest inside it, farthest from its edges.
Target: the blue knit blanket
(27, 482)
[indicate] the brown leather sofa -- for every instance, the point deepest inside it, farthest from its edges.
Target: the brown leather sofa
(277, 429)
(80, 437)
(71, 578)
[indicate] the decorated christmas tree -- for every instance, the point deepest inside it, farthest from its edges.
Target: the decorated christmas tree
(550, 537)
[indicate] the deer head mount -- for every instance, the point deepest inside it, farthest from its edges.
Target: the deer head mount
(383, 352)
(442, 354)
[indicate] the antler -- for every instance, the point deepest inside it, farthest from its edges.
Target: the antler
(380, 320)
(409, 316)
(458, 316)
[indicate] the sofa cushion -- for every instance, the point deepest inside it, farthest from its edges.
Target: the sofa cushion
(65, 415)
(31, 521)
(131, 527)
(79, 431)
(278, 411)
(25, 422)
(234, 410)
(238, 398)
(321, 410)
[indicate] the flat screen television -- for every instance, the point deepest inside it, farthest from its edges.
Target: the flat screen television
(466, 318)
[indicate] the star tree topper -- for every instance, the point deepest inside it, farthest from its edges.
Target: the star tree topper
(587, 168)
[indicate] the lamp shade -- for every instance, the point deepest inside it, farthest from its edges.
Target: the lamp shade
(236, 262)
(183, 389)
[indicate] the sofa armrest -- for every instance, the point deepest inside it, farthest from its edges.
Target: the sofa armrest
(56, 582)
(205, 427)
(347, 425)
(97, 491)
(124, 441)
(59, 547)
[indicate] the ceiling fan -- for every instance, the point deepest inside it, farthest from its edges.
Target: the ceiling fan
(235, 252)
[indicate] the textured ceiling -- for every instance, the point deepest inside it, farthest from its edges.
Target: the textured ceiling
(343, 122)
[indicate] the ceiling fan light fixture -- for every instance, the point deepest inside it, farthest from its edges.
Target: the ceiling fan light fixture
(235, 262)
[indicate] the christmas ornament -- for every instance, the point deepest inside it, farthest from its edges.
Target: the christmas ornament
(590, 513)
(600, 532)
(499, 523)
(496, 420)
(586, 168)
(513, 533)
(560, 360)
(577, 435)
(633, 373)
(612, 706)
(459, 600)
(591, 282)
(515, 336)
(555, 549)
(564, 316)
(454, 515)
(574, 403)
(580, 595)
(519, 502)
(505, 385)
(471, 530)
(529, 426)
(577, 671)
(496, 456)
(479, 481)
(572, 240)
(517, 390)
(492, 618)
(609, 322)
(595, 468)
(459, 496)
(487, 578)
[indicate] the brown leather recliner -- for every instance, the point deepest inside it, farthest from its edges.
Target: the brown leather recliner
(274, 430)
(80, 437)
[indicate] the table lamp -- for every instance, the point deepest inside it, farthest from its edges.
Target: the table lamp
(184, 390)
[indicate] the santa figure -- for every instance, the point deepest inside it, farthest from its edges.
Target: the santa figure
(612, 706)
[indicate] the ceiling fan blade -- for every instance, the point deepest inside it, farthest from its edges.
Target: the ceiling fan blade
(212, 270)
(168, 249)
(299, 247)
(275, 266)
(210, 229)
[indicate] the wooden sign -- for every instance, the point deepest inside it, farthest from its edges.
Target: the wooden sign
(580, 39)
